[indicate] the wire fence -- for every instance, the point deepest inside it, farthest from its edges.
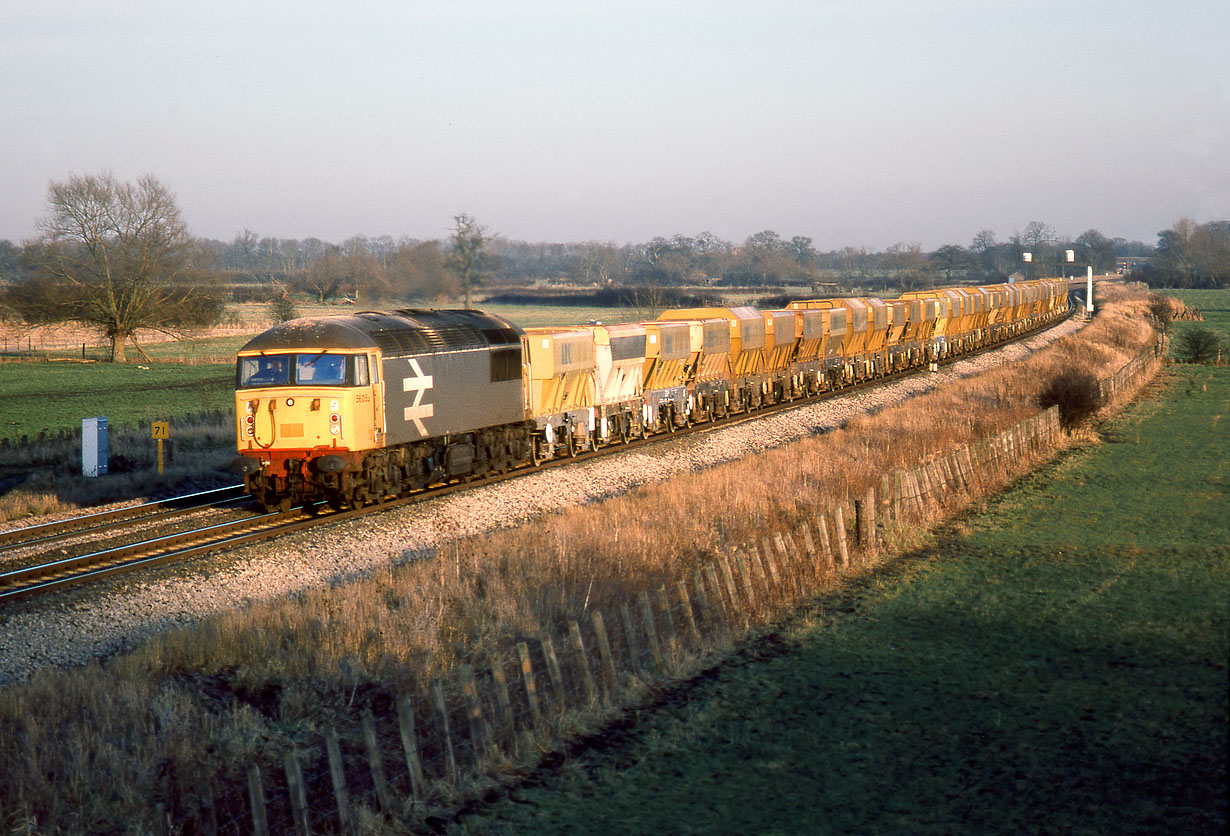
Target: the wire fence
(60, 343)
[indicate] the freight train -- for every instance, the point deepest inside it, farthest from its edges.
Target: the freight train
(362, 407)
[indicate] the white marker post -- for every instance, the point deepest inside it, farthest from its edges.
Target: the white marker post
(1089, 291)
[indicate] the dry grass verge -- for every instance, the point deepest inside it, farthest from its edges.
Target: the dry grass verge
(94, 749)
(44, 477)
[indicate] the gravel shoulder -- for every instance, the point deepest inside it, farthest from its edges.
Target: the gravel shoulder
(92, 623)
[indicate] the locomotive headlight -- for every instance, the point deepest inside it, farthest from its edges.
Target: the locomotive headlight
(290, 401)
(335, 429)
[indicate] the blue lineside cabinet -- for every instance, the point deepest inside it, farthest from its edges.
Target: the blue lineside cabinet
(94, 446)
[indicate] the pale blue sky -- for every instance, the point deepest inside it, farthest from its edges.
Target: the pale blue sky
(864, 123)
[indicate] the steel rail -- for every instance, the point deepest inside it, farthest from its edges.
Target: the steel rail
(101, 520)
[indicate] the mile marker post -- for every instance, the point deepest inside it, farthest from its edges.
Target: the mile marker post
(160, 430)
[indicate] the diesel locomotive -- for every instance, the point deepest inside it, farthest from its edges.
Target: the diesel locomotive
(358, 408)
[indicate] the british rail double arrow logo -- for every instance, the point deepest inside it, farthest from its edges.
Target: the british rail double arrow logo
(418, 384)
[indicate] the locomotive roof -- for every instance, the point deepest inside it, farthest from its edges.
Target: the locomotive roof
(399, 332)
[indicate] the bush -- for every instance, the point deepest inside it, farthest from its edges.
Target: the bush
(1075, 392)
(282, 309)
(1199, 345)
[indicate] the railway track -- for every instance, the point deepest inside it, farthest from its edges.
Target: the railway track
(40, 574)
(51, 532)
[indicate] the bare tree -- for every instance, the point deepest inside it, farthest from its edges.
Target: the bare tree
(469, 243)
(326, 277)
(419, 270)
(116, 256)
(910, 263)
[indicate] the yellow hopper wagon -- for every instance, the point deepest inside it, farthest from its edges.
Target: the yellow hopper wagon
(619, 382)
(560, 389)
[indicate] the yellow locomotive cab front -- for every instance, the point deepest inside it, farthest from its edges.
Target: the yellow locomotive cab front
(306, 401)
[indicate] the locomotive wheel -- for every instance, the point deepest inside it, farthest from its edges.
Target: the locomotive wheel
(625, 430)
(536, 456)
(572, 444)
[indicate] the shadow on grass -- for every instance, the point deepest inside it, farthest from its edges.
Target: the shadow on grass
(952, 691)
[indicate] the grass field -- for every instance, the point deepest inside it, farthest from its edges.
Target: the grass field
(1057, 664)
(55, 396)
(1214, 306)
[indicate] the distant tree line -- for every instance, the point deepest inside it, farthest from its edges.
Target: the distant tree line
(118, 257)
(1190, 255)
(363, 268)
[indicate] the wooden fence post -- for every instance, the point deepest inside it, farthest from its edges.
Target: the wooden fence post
(711, 574)
(935, 482)
(758, 575)
(441, 707)
(609, 676)
(558, 686)
(297, 792)
(771, 560)
(474, 714)
(670, 639)
(651, 631)
(256, 794)
(702, 597)
(634, 651)
(808, 543)
(926, 491)
(826, 546)
(915, 494)
(531, 688)
(689, 617)
(504, 702)
(791, 558)
(745, 575)
(410, 745)
(974, 476)
(839, 528)
(337, 775)
(870, 544)
(375, 761)
(736, 608)
(587, 676)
